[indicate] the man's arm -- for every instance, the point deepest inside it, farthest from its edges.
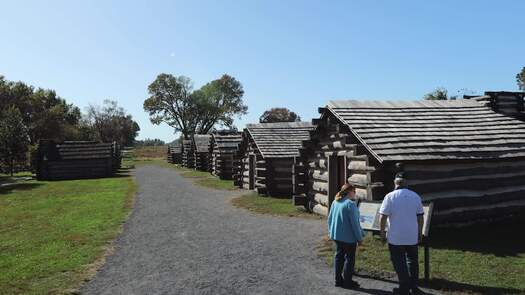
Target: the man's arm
(383, 226)
(419, 227)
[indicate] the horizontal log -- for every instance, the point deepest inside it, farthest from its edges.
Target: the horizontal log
(471, 193)
(359, 165)
(321, 199)
(320, 209)
(320, 186)
(358, 178)
(283, 169)
(320, 175)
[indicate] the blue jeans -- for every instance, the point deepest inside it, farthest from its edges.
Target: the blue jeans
(405, 261)
(344, 262)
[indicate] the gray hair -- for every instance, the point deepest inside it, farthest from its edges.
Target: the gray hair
(400, 181)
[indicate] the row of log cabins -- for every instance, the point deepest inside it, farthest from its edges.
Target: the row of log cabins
(467, 156)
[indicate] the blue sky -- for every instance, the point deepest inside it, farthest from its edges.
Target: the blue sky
(295, 54)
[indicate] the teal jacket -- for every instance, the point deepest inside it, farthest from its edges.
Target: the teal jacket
(343, 222)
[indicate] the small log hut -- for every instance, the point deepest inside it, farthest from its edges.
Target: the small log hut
(266, 155)
(224, 147)
(201, 150)
(76, 160)
(462, 155)
(188, 155)
(175, 153)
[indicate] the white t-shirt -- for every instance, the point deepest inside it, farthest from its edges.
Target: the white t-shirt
(402, 206)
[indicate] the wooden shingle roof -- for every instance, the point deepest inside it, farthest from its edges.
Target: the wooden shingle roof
(202, 142)
(227, 141)
(279, 140)
(431, 130)
(79, 150)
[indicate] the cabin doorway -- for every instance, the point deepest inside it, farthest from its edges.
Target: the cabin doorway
(336, 175)
(251, 172)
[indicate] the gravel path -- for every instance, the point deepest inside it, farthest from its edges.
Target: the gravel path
(184, 239)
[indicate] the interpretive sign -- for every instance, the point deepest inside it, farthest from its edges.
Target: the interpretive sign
(370, 217)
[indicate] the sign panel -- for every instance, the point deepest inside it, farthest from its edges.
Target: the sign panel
(370, 217)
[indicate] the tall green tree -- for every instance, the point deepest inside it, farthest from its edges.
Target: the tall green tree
(438, 94)
(520, 79)
(279, 115)
(14, 138)
(46, 115)
(111, 123)
(173, 101)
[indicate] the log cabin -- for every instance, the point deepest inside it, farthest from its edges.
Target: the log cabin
(188, 155)
(462, 155)
(201, 150)
(175, 153)
(224, 147)
(266, 155)
(76, 160)
(505, 102)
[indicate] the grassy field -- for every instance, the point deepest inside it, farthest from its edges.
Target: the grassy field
(481, 259)
(52, 234)
(272, 206)
(151, 152)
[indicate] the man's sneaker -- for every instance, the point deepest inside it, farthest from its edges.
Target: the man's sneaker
(352, 285)
(338, 284)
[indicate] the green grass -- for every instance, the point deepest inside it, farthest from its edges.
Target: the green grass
(481, 259)
(52, 232)
(272, 206)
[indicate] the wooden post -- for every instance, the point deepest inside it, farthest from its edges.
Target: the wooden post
(427, 259)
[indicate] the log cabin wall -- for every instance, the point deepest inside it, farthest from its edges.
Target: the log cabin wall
(332, 156)
(188, 155)
(76, 160)
(251, 165)
(201, 148)
(468, 190)
(175, 154)
(224, 149)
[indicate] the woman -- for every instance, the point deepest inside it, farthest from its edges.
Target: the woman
(344, 229)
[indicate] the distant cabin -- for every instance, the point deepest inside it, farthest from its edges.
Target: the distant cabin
(266, 155)
(224, 147)
(462, 155)
(76, 160)
(201, 150)
(188, 154)
(505, 102)
(175, 153)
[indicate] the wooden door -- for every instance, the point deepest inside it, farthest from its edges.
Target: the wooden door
(336, 175)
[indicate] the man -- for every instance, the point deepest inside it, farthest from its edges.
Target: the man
(404, 211)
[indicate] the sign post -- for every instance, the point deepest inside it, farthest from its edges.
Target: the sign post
(370, 221)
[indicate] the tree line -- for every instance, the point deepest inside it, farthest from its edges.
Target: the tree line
(28, 114)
